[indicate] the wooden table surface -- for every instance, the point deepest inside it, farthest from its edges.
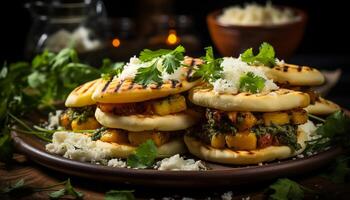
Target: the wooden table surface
(37, 175)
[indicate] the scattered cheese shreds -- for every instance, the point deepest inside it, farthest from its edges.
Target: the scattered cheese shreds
(131, 68)
(177, 162)
(77, 146)
(227, 195)
(233, 69)
(116, 162)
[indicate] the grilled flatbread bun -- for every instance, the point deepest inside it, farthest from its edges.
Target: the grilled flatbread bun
(282, 99)
(127, 91)
(322, 107)
(228, 156)
(81, 96)
(136, 123)
(294, 75)
(63, 140)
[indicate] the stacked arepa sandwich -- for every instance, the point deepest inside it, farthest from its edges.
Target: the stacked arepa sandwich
(146, 101)
(248, 118)
(295, 77)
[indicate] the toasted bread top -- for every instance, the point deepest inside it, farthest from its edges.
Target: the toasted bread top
(295, 75)
(281, 99)
(82, 95)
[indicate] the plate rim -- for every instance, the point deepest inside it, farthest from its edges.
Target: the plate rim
(39, 155)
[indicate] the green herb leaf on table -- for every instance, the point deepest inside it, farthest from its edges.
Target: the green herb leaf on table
(148, 75)
(144, 156)
(67, 190)
(339, 172)
(266, 56)
(251, 83)
(286, 189)
(120, 195)
(211, 69)
(6, 148)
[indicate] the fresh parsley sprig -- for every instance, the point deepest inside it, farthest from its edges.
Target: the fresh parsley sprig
(252, 83)
(266, 56)
(334, 131)
(170, 61)
(20, 189)
(148, 75)
(120, 195)
(211, 70)
(110, 69)
(285, 189)
(144, 156)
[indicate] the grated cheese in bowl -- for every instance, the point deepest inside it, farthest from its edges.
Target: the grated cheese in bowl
(257, 15)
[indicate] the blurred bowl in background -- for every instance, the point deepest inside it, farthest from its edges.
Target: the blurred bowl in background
(231, 40)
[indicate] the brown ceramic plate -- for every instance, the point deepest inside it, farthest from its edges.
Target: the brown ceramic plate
(219, 175)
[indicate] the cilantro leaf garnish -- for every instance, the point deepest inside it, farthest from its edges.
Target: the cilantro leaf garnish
(144, 156)
(284, 189)
(339, 172)
(334, 130)
(20, 189)
(148, 75)
(120, 195)
(252, 83)
(171, 60)
(110, 69)
(148, 55)
(211, 69)
(266, 56)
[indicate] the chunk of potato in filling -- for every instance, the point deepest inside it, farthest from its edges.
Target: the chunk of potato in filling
(89, 124)
(115, 136)
(298, 116)
(277, 118)
(218, 141)
(242, 141)
(137, 138)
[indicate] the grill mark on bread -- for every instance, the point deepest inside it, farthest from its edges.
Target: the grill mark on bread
(107, 84)
(89, 86)
(78, 88)
(119, 85)
(285, 68)
(131, 85)
(173, 83)
(300, 68)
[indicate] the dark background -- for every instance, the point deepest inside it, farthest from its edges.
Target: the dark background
(325, 44)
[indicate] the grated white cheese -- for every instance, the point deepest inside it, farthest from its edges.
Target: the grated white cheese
(310, 129)
(227, 195)
(233, 69)
(116, 162)
(254, 14)
(131, 68)
(77, 146)
(54, 120)
(176, 163)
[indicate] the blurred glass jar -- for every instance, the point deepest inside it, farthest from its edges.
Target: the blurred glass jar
(57, 24)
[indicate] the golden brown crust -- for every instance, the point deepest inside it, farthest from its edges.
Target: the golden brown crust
(298, 75)
(127, 91)
(322, 107)
(282, 99)
(228, 156)
(82, 95)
